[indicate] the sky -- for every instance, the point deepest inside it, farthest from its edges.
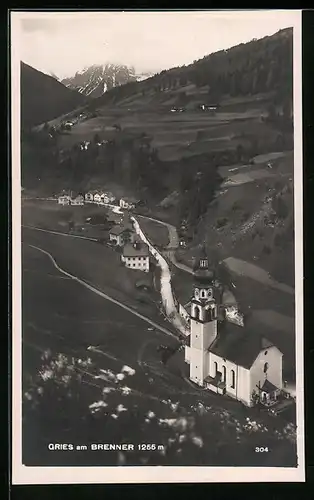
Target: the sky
(63, 43)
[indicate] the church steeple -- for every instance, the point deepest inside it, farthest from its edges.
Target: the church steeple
(203, 318)
(203, 304)
(201, 270)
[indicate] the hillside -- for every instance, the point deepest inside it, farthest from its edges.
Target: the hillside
(95, 80)
(44, 98)
(257, 67)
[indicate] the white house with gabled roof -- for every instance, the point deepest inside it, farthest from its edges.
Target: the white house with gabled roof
(136, 256)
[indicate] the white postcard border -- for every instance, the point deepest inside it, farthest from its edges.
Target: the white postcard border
(157, 474)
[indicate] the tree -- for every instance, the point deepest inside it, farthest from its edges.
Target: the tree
(96, 139)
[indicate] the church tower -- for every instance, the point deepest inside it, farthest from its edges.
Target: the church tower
(204, 317)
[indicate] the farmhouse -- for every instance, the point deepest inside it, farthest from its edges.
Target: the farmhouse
(64, 199)
(89, 196)
(78, 200)
(227, 358)
(128, 202)
(98, 197)
(136, 256)
(121, 234)
(114, 219)
(107, 198)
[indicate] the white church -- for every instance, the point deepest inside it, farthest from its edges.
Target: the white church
(227, 358)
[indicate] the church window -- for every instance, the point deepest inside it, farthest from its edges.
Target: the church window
(232, 379)
(203, 293)
(265, 367)
(265, 352)
(216, 367)
(197, 312)
(224, 374)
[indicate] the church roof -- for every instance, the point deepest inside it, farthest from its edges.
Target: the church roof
(238, 344)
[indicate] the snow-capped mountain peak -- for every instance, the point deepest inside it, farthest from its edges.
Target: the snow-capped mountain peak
(94, 80)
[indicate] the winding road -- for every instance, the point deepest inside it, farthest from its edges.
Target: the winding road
(165, 283)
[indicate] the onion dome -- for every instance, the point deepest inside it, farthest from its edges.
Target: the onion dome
(202, 273)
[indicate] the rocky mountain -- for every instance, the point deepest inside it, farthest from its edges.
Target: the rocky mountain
(95, 80)
(43, 98)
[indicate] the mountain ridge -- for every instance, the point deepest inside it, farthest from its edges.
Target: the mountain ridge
(44, 98)
(95, 80)
(255, 67)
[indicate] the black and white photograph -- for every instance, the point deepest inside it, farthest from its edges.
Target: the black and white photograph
(157, 246)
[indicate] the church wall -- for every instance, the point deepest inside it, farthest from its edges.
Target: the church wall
(196, 334)
(203, 334)
(187, 354)
(273, 357)
(244, 385)
(198, 365)
(241, 389)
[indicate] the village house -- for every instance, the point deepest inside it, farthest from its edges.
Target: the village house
(136, 256)
(98, 197)
(107, 198)
(89, 196)
(128, 203)
(226, 358)
(121, 234)
(114, 218)
(78, 200)
(64, 199)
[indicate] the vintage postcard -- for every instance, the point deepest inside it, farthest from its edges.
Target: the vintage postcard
(157, 247)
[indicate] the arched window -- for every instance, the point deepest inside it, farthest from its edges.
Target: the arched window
(216, 368)
(212, 313)
(232, 379)
(265, 367)
(224, 374)
(203, 293)
(197, 312)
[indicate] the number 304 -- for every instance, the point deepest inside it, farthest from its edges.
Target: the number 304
(260, 449)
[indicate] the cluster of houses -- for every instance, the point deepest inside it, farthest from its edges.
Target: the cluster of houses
(98, 197)
(135, 253)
